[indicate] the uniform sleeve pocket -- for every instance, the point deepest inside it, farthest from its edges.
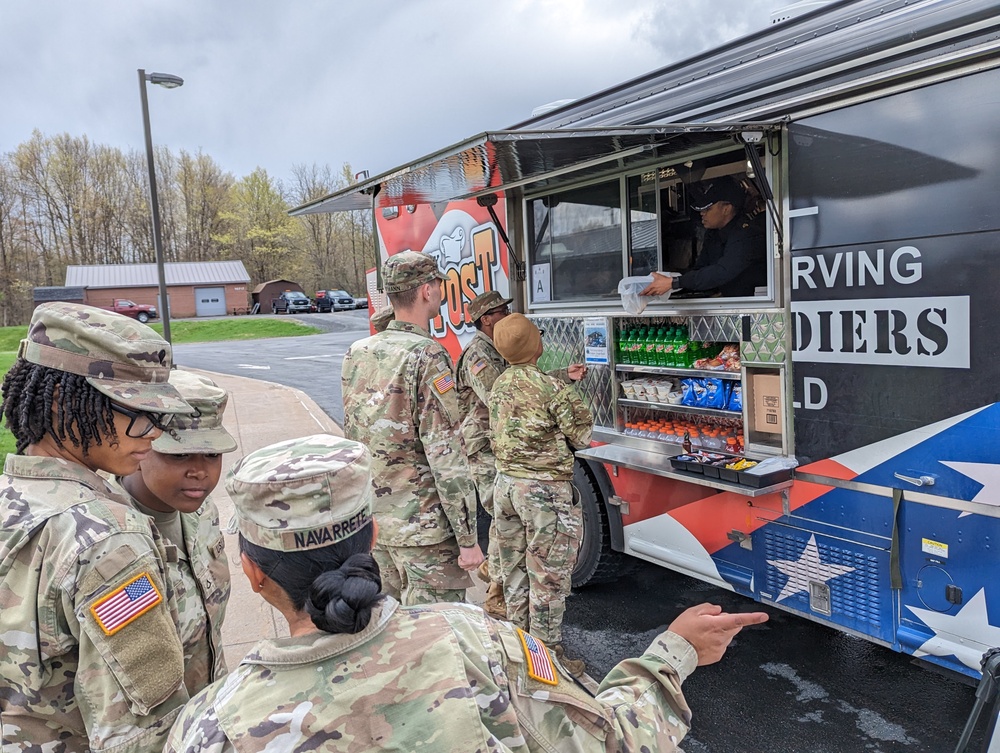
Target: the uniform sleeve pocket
(129, 639)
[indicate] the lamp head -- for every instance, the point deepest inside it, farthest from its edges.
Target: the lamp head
(166, 80)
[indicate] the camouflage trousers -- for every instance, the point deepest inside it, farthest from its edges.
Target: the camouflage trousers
(422, 574)
(539, 530)
(483, 465)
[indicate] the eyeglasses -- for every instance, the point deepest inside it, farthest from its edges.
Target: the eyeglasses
(504, 310)
(142, 422)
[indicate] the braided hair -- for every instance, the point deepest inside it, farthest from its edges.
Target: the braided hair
(32, 407)
(337, 585)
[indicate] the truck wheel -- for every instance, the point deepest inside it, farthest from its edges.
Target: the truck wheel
(596, 561)
(142, 316)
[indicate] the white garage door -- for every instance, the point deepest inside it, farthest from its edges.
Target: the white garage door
(210, 301)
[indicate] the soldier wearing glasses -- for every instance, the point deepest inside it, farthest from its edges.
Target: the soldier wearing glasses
(91, 658)
(478, 368)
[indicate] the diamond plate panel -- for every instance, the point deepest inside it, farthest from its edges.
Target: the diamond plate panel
(855, 595)
(563, 340)
(715, 329)
(767, 339)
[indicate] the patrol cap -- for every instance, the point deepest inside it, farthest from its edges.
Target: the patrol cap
(201, 432)
(380, 319)
(409, 269)
(517, 338)
(302, 494)
(720, 189)
(121, 358)
(483, 303)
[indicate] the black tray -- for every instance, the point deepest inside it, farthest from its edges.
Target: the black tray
(766, 479)
(727, 475)
(687, 466)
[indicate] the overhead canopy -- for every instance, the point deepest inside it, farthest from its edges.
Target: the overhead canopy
(500, 160)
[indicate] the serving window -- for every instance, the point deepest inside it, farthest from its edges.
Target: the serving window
(583, 240)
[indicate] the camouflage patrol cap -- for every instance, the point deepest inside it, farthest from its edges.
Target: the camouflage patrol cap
(409, 269)
(517, 338)
(302, 494)
(201, 432)
(483, 303)
(380, 319)
(121, 358)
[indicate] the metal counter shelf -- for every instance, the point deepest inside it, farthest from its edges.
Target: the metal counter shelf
(659, 465)
(677, 371)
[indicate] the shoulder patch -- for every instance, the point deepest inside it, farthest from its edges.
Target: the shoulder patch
(539, 662)
(478, 366)
(444, 383)
(126, 603)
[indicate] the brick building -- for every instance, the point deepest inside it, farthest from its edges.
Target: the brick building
(203, 288)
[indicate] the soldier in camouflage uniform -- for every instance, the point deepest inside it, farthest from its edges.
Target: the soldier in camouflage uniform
(90, 657)
(478, 367)
(360, 673)
(172, 487)
(400, 400)
(537, 421)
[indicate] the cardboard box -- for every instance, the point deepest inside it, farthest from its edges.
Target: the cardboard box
(767, 403)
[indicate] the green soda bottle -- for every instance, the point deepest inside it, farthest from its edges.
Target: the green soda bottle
(621, 346)
(661, 335)
(681, 348)
(668, 347)
(650, 346)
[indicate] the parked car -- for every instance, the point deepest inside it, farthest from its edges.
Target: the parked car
(361, 303)
(334, 300)
(139, 311)
(291, 302)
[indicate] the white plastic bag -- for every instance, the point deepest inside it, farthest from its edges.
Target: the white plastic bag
(772, 464)
(629, 289)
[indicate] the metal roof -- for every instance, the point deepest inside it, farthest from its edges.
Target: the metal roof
(51, 293)
(144, 275)
(502, 160)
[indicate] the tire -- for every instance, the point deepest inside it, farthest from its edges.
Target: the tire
(596, 561)
(143, 317)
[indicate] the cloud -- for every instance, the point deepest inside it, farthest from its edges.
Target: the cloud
(375, 84)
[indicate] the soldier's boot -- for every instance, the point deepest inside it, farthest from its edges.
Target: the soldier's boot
(495, 606)
(484, 571)
(576, 667)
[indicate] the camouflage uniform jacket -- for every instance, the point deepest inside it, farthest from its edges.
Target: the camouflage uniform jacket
(443, 677)
(400, 400)
(74, 675)
(537, 421)
(478, 368)
(199, 578)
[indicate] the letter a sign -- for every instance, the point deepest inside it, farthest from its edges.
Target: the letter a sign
(540, 283)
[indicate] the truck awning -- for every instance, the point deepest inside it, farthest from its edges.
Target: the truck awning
(499, 160)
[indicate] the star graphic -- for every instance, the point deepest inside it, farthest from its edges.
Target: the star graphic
(807, 568)
(987, 474)
(966, 634)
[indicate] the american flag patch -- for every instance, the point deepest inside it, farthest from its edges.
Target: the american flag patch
(126, 603)
(478, 366)
(539, 662)
(444, 383)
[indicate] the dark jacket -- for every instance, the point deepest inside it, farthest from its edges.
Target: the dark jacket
(732, 259)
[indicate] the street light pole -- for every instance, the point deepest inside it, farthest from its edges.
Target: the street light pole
(170, 82)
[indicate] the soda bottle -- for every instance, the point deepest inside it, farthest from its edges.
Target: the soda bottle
(650, 346)
(661, 335)
(681, 347)
(668, 347)
(623, 346)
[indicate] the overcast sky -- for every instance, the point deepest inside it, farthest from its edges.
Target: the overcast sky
(369, 82)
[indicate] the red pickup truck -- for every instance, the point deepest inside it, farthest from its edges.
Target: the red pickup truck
(139, 311)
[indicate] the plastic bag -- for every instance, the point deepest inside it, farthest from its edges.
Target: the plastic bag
(629, 289)
(772, 464)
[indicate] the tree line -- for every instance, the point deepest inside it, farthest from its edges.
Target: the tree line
(65, 200)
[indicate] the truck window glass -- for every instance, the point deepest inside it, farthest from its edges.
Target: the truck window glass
(578, 233)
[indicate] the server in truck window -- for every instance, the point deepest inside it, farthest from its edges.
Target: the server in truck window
(732, 257)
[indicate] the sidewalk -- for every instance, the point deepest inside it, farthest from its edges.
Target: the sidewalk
(261, 413)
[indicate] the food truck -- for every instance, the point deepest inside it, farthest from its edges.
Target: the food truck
(864, 136)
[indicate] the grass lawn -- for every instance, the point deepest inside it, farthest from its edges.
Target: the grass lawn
(210, 330)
